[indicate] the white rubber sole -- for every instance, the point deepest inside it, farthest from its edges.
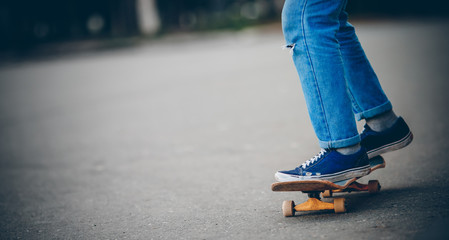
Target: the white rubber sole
(335, 177)
(392, 146)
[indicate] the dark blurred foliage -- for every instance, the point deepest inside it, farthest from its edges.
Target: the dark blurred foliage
(399, 8)
(26, 23)
(215, 14)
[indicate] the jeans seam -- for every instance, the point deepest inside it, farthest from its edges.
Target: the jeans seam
(356, 106)
(313, 70)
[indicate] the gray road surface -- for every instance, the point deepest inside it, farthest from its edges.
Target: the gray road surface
(179, 139)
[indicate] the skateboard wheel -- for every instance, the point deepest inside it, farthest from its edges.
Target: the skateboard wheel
(288, 208)
(373, 186)
(339, 205)
(327, 193)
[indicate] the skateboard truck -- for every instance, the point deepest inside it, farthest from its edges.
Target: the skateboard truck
(314, 203)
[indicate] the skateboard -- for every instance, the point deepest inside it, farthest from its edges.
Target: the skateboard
(317, 188)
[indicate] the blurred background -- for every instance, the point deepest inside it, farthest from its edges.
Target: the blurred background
(26, 24)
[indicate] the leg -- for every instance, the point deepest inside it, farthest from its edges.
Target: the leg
(310, 28)
(368, 98)
(384, 131)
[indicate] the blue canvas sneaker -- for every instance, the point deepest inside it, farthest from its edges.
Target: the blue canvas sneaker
(394, 138)
(329, 165)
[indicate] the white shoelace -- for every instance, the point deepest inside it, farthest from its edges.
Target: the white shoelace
(312, 160)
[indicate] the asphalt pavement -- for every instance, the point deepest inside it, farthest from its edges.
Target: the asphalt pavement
(180, 137)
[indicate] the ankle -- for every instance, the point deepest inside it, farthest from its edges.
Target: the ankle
(382, 122)
(349, 150)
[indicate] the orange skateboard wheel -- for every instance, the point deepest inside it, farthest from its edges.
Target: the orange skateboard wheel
(327, 194)
(339, 205)
(288, 208)
(373, 186)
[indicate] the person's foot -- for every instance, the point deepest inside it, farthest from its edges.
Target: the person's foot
(329, 165)
(393, 138)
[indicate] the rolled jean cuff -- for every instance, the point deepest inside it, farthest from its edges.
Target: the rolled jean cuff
(374, 111)
(340, 143)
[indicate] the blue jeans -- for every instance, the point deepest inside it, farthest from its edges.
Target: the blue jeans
(337, 79)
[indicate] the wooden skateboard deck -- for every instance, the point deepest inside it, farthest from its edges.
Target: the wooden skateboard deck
(315, 187)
